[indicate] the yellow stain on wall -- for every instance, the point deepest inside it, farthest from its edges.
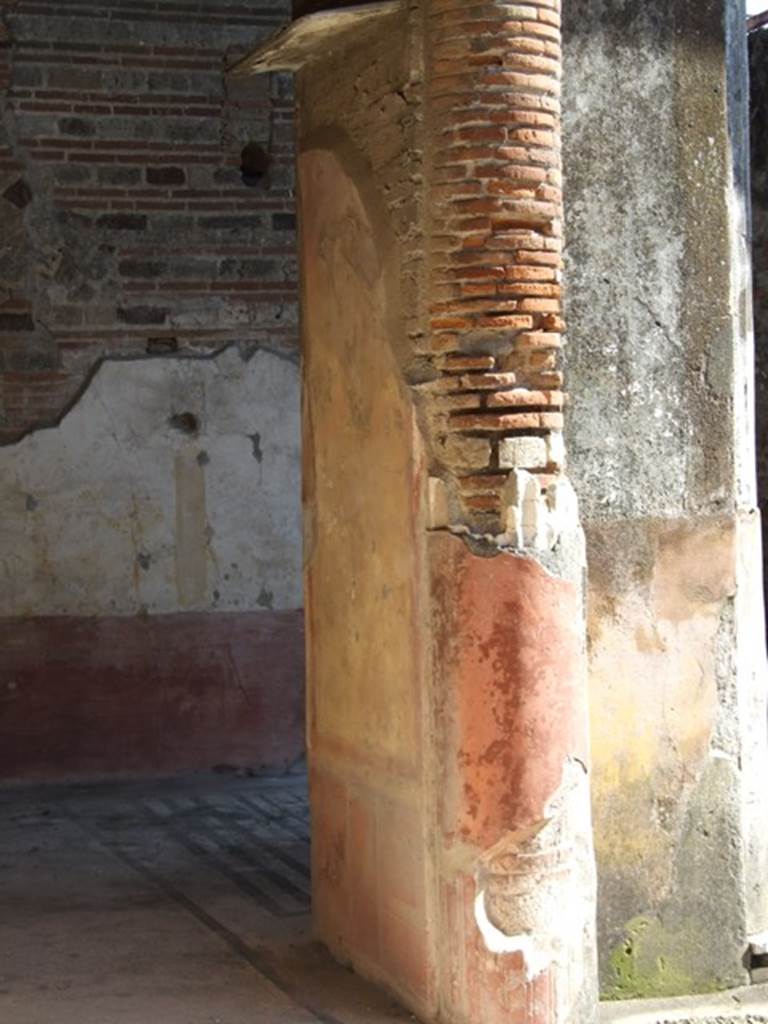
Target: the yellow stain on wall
(653, 624)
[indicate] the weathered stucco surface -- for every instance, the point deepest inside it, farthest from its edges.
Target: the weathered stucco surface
(515, 852)
(659, 367)
(758, 51)
(150, 573)
(446, 674)
(150, 542)
(362, 497)
(171, 485)
(669, 815)
(359, 479)
(658, 299)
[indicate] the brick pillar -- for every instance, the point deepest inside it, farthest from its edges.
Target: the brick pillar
(452, 856)
(495, 209)
(515, 875)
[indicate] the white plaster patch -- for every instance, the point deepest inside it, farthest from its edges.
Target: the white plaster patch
(535, 519)
(172, 484)
(496, 941)
(546, 914)
(297, 45)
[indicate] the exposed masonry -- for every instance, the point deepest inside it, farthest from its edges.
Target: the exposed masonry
(125, 224)
(495, 251)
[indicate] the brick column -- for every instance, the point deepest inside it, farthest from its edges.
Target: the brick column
(495, 209)
(515, 876)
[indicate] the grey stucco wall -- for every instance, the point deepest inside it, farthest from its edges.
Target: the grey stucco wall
(658, 303)
(660, 432)
(758, 46)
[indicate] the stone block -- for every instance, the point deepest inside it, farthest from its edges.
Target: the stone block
(438, 516)
(466, 452)
(556, 451)
(523, 453)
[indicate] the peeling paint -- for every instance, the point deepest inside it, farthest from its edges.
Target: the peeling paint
(541, 906)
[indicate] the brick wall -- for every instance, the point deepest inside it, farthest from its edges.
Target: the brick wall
(126, 225)
(758, 52)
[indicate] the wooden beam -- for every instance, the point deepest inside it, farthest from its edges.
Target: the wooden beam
(314, 36)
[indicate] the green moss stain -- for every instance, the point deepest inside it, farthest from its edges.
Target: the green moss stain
(651, 961)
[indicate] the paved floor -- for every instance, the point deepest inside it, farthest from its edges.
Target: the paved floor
(186, 902)
(737, 1006)
(176, 902)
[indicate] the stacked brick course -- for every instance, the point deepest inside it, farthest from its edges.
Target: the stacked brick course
(495, 244)
(127, 227)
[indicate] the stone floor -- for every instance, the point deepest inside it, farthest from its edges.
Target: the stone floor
(736, 1006)
(186, 902)
(175, 902)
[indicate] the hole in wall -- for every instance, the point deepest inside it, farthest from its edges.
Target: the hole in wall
(254, 164)
(162, 346)
(184, 422)
(757, 965)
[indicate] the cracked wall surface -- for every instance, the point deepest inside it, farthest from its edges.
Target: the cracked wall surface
(150, 573)
(126, 224)
(150, 542)
(171, 485)
(758, 51)
(662, 457)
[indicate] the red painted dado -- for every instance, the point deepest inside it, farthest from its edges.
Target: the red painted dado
(510, 658)
(85, 697)
(511, 720)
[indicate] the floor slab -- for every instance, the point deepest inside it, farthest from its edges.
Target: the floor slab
(169, 902)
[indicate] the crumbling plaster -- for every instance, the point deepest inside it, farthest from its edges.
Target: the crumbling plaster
(150, 541)
(661, 454)
(170, 485)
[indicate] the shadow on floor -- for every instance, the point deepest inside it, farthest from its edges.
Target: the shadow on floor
(172, 902)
